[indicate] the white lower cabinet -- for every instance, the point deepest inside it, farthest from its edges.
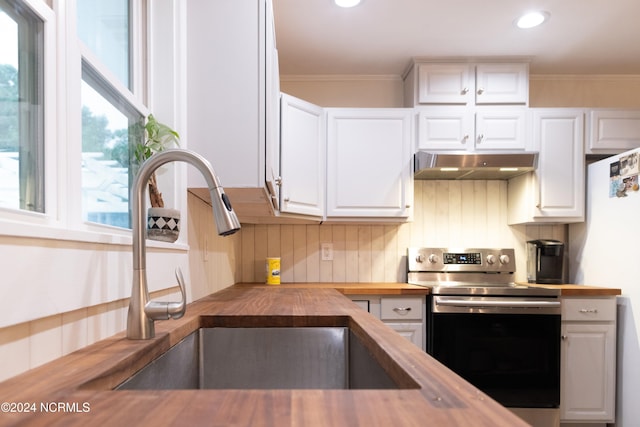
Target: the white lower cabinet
(588, 360)
(404, 314)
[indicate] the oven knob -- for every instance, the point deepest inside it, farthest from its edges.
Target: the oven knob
(491, 259)
(433, 259)
(504, 259)
(420, 258)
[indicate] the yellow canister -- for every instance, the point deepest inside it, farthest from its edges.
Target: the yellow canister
(273, 271)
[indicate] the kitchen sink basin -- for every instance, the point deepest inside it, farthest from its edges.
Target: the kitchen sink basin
(264, 358)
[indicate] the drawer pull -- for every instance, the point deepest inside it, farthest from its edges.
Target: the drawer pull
(402, 309)
(588, 310)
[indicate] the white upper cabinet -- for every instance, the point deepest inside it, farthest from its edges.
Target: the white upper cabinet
(444, 84)
(613, 131)
(467, 84)
(369, 163)
(233, 97)
(272, 106)
(554, 192)
(303, 159)
(470, 107)
(502, 84)
(472, 129)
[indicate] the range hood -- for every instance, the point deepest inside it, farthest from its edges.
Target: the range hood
(481, 166)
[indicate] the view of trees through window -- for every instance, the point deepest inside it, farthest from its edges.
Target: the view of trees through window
(108, 129)
(9, 138)
(21, 108)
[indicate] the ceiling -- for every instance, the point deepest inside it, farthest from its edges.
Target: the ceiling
(379, 37)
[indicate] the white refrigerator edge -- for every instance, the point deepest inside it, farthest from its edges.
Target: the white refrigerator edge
(605, 251)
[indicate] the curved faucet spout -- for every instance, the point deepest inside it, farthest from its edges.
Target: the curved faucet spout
(142, 311)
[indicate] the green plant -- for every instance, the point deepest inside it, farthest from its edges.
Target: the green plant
(158, 137)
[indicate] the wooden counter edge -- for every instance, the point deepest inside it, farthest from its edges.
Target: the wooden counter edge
(397, 288)
(570, 290)
(353, 288)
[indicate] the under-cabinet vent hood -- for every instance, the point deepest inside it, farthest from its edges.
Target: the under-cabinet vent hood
(482, 166)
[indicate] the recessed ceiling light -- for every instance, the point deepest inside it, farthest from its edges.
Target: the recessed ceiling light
(347, 3)
(532, 19)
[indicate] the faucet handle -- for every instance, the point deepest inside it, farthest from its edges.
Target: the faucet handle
(158, 310)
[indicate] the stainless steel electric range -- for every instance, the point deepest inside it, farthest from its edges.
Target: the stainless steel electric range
(500, 336)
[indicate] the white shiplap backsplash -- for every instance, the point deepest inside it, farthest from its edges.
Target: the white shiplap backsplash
(446, 213)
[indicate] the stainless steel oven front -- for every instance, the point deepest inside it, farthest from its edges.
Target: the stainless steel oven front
(501, 337)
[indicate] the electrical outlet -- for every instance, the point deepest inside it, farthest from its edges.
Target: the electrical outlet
(326, 250)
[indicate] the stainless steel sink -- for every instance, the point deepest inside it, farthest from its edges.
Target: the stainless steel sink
(264, 358)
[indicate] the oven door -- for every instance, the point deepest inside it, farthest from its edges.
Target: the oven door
(513, 355)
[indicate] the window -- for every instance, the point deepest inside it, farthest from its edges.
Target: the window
(104, 26)
(111, 124)
(21, 108)
(109, 127)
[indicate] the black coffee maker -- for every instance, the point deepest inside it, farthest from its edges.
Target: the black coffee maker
(545, 259)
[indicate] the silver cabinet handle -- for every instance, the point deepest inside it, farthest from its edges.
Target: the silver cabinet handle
(405, 309)
(465, 91)
(480, 91)
(588, 310)
(480, 138)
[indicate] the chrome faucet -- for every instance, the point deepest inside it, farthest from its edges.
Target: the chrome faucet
(142, 311)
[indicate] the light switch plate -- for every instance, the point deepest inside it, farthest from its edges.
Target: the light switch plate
(326, 251)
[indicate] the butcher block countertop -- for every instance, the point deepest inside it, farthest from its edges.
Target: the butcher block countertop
(406, 289)
(568, 290)
(76, 390)
(386, 288)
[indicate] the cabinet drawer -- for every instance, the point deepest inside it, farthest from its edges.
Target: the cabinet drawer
(589, 309)
(401, 308)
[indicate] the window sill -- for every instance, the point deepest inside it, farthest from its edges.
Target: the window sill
(116, 236)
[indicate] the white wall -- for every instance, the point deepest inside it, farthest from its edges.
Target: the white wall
(60, 296)
(345, 91)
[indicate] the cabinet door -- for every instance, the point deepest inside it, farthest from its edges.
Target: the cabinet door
(554, 192)
(587, 384)
(272, 106)
(411, 331)
(613, 131)
(302, 157)
(560, 171)
(232, 100)
(472, 129)
(369, 162)
(502, 84)
(445, 128)
(445, 84)
(503, 129)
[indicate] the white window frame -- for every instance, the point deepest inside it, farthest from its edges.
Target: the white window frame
(62, 219)
(10, 219)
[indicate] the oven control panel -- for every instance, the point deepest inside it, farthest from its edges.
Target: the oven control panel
(471, 260)
(462, 258)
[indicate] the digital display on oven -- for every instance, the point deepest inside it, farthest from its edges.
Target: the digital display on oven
(468, 258)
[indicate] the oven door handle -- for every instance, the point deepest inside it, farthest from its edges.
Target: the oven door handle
(495, 302)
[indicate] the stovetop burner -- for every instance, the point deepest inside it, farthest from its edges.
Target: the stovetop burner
(474, 272)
